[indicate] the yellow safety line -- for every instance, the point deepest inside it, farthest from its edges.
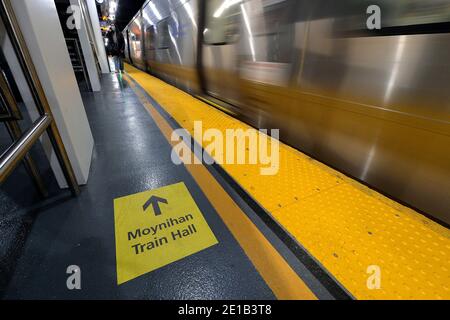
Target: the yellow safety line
(276, 272)
(350, 229)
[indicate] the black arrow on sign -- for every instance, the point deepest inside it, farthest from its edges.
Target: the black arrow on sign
(154, 201)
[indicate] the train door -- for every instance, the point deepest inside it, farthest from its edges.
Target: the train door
(164, 56)
(149, 46)
(248, 45)
(220, 49)
(126, 35)
(135, 42)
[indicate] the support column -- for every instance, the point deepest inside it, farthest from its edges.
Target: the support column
(86, 46)
(100, 44)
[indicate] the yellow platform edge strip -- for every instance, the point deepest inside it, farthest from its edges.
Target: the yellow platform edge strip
(345, 225)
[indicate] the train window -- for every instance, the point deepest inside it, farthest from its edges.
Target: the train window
(222, 21)
(398, 17)
(273, 31)
(164, 35)
(150, 37)
(415, 12)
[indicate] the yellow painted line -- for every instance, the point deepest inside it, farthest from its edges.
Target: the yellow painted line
(346, 226)
(276, 272)
(157, 227)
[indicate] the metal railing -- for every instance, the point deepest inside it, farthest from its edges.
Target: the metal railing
(10, 114)
(19, 150)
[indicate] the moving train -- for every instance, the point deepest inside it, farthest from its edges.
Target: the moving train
(374, 104)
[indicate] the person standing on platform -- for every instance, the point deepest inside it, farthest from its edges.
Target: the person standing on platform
(116, 44)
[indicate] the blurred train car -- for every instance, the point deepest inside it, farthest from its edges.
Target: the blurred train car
(372, 104)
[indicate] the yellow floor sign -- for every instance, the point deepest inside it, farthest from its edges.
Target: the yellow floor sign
(157, 227)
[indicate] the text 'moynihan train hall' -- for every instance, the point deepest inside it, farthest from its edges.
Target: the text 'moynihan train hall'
(231, 150)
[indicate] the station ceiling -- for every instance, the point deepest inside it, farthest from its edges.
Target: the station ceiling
(126, 9)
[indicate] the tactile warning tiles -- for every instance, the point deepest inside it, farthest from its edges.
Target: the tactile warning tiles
(343, 224)
(348, 230)
(298, 178)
